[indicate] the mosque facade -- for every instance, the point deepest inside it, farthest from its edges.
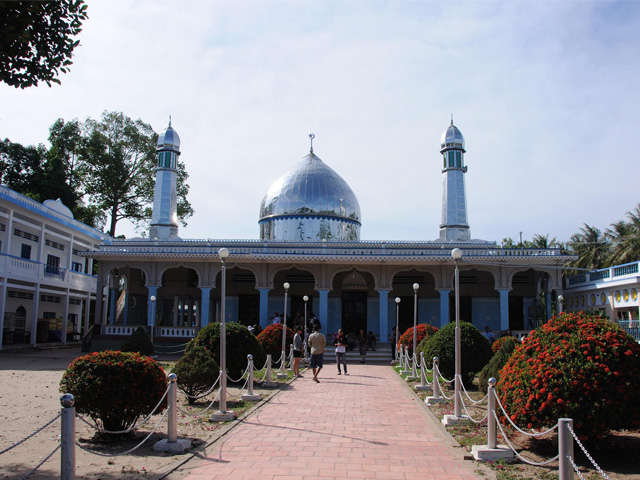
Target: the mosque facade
(309, 238)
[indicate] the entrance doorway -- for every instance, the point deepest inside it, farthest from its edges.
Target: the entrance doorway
(354, 312)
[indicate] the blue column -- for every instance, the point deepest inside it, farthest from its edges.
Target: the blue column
(113, 293)
(205, 303)
(444, 307)
(126, 308)
(504, 309)
(384, 314)
(323, 313)
(151, 306)
(264, 307)
(548, 305)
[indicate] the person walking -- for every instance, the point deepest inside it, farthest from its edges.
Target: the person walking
(317, 343)
(297, 351)
(362, 345)
(341, 351)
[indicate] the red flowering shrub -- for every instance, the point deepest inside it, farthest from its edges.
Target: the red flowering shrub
(497, 345)
(574, 366)
(240, 342)
(423, 330)
(271, 340)
(115, 389)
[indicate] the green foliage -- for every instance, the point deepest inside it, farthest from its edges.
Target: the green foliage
(197, 372)
(271, 340)
(114, 388)
(423, 330)
(36, 42)
(497, 362)
(239, 343)
(138, 342)
(475, 351)
(574, 366)
(497, 345)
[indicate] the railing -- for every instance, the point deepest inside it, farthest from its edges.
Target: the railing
(51, 271)
(604, 274)
(118, 329)
(625, 269)
(38, 271)
(632, 327)
(176, 332)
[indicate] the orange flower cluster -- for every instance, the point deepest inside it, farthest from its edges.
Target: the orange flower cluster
(423, 330)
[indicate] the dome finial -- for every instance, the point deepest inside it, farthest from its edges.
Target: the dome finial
(312, 136)
(169, 120)
(452, 119)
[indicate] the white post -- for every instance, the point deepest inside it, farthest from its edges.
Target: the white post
(423, 375)
(268, 382)
(283, 359)
(304, 344)
(437, 394)
(172, 443)
(250, 396)
(565, 448)
(492, 434)
(290, 369)
(396, 360)
(68, 438)
(407, 361)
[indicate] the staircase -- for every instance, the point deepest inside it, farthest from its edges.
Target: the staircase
(381, 356)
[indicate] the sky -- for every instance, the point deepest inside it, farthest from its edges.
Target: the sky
(545, 93)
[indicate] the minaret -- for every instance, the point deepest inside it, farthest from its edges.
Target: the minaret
(164, 219)
(454, 226)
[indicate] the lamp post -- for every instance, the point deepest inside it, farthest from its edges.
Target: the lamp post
(456, 254)
(306, 350)
(560, 304)
(282, 373)
(395, 347)
(415, 315)
(222, 414)
(153, 315)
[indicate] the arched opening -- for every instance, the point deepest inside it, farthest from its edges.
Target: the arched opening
(428, 308)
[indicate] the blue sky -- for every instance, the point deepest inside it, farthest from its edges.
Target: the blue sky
(544, 92)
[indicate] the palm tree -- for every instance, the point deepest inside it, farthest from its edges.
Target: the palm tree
(625, 239)
(591, 246)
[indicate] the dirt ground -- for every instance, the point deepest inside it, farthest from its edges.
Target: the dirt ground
(29, 398)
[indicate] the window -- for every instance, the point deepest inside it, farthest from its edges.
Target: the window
(76, 267)
(48, 315)
(25, 251)
(26, 235)
(451, 159)
(459, 159)
(53, 264)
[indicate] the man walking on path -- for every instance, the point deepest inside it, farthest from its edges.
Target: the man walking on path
(316, 343)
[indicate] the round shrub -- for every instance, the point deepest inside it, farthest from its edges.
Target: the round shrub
(475, 351)
(115, 389)
(138, 342)
(240, 342)
(197, 371)
(574, 366)
(423, 330)
(271, 340)
(497, 362)
(497, 345)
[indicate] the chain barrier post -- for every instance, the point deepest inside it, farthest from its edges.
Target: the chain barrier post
(565, 449)
(400, 357)
(290, 369)
(491, 451)
(172, 443)
(414, 370)
(68, 438)
(423, 375)
(268, 383)
(492, 434)
(407, 361)
(437, 393)
(250, 396)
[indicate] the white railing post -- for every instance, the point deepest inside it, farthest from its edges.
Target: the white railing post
(172, 443)
(423, 375)
(250, 396)
(492, 434)
(437, 393)
(407, 361)
(267, 377)
(68, 438)
(565, 449)
(290, 369)
(400, 357)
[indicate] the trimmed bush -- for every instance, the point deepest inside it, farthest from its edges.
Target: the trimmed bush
(271, 340)
(138, 342)
(240, 343)
(423, 330)
(115, 389)
(475, 351)
(574, 366)
(197, 372)
(497, 345)
(497, 362)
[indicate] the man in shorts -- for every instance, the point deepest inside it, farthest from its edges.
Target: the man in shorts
(317, 343)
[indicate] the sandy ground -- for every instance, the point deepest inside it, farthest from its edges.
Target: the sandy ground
(29, 398)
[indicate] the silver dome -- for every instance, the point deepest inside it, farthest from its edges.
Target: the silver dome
(169, 139)
(310, 202)
(452, 137)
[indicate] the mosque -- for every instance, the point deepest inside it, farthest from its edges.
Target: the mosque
(309, 238)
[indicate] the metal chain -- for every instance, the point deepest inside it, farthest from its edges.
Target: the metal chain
(469, 415)
(111, 432)
(203, 411)
(575, 467)
(14, 445)
(586, 453)
(241, 376)
(424, 366)
(535, 434)
(506, 439)
(256, 369)
(435, 379)
(470, 399)
(42, 462)
(100, 454)
(202, 395)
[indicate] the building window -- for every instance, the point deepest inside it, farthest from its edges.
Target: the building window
(48, 315)
(451, 159)
(26, 235)
(459, 159)
(53, 264)
(25, 251)
(76, 267)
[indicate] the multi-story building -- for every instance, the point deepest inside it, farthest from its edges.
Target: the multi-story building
(46, 286)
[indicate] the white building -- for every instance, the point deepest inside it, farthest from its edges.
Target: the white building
(46, 287)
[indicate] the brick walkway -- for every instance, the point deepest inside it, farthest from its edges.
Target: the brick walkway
(365, 425)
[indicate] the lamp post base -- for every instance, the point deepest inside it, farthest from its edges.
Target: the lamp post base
(483, 453)
(222, 416)
(179, 446)
(450, 420)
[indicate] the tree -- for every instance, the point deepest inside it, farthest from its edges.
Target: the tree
(37, 40)
(591, 246)
(625, 239)
(117, 165)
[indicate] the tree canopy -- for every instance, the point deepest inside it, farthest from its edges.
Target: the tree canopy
(37, 39)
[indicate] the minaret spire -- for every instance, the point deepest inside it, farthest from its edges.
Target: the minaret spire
(454, 226)
(312, 136)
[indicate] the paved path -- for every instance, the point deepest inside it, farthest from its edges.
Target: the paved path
(365, 425)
